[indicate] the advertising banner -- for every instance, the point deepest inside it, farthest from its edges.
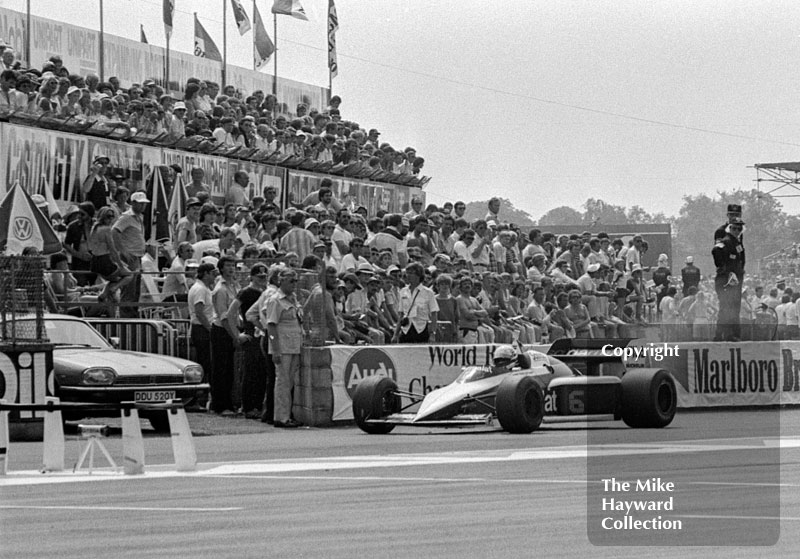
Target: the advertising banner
(734, 374)
(26, 378)
(29, 154)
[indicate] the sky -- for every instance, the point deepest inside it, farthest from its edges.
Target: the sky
(546, 103)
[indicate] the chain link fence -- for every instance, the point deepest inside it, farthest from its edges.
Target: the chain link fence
(22, 301)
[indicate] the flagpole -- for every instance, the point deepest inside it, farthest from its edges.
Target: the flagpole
(101, 57)
(254, 36)
(166, 68)
(275, 54)
(224, 43)
(28, 33)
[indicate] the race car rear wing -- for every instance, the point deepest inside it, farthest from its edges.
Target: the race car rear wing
(589, 351)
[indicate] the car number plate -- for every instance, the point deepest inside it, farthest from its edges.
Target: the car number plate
(153, 396)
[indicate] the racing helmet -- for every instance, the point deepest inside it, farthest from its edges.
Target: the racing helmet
(504, 355)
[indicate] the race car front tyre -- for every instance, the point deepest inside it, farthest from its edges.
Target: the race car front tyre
(519, 404)
(649, 398)
(375, 398)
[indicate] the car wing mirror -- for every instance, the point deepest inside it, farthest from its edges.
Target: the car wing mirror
(114, 341)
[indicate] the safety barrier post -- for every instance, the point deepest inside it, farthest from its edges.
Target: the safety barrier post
(132, 443)
(3, 440)
(182, 441)
(53, 439)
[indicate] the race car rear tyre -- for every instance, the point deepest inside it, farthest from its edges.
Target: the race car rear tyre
(649, 398)
(519, 404)
(375, 398)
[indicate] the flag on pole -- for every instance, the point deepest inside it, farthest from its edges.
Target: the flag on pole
(24, 225)
(242, 21)
(142, 36)
(177, 206)
(263, 47)
(204, 46)
(289, 8)
(168, 10)
(333, 26)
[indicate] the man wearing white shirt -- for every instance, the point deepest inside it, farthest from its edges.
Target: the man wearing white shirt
(792, 319)
(223, 134)
(390, 238)
(418, 308)
(633, 256)
(201, 315)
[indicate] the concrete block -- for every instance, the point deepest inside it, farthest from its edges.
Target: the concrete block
(313, 397)
(314, 417)
(316, 357)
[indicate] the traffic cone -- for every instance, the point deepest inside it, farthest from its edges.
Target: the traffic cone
(3, 440)
(53, 439)
(182, 441)
(132, 443)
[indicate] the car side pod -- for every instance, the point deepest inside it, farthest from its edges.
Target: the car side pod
(649, 398)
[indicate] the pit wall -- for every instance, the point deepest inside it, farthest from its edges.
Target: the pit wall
(707, 374)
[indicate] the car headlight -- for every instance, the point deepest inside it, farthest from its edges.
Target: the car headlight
(99, 375)
(192, 374)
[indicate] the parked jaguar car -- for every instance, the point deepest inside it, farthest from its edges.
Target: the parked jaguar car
(87, 368)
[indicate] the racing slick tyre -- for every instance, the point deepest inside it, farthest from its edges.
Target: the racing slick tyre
(375, 398)
(519, 404)
(649, 398)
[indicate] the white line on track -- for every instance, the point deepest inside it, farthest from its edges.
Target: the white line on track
(422, 459)
(323, 477)
(127, 509)
(398, 478)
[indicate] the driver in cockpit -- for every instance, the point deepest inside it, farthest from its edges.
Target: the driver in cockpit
(504, 359)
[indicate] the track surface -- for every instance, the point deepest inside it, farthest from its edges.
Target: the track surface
(415, 493)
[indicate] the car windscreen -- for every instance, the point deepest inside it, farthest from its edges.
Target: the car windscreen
(73, 333)
(471, 374)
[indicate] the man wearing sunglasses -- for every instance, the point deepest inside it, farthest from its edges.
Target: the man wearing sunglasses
(728, 254)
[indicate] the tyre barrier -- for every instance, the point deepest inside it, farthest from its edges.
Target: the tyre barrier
(133, 461)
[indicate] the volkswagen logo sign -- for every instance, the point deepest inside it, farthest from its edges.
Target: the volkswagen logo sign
(22, 228)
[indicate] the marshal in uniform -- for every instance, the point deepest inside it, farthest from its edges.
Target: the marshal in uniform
(728, 253)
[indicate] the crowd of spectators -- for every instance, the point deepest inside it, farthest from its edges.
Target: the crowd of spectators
(228, 119)
(260, 280)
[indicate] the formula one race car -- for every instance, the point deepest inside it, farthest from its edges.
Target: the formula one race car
(577, 380)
